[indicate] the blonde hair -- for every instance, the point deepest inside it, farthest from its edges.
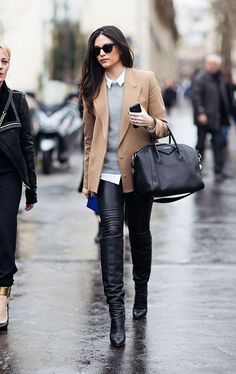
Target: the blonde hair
(6, 49)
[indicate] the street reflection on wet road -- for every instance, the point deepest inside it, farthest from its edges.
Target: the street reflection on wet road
(58, 317)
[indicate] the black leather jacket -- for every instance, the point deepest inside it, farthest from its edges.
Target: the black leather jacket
(16, 139)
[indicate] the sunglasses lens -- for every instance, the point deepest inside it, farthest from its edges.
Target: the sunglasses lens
(96, 51)
(107, 48)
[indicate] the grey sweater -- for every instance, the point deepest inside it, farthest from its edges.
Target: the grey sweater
(115, 101)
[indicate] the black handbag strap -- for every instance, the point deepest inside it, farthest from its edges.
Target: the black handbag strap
(6, 107)
(170, 199)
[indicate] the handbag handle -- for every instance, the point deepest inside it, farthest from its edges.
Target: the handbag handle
(171, 136)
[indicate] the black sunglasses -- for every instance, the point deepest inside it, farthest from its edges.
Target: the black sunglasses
(107, 48)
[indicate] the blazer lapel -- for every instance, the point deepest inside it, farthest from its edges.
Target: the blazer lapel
(101, 108)
(132, 90)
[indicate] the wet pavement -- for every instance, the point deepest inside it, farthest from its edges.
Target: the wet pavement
(58, 316)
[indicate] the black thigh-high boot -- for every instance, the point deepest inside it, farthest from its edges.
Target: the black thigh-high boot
(141, 250)
(112, 275)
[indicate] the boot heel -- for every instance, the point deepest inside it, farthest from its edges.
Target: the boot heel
(139, 313)
(117, 333)
(140, 304)
(3, 327)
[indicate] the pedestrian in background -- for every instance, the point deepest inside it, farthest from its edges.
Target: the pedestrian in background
(109, 87)
(16, 166)
(231, 91)
(211, 111)
(169, 95)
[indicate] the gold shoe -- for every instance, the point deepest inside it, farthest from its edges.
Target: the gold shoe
(5, 291)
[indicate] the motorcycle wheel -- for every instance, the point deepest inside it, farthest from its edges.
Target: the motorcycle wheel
(47, 162)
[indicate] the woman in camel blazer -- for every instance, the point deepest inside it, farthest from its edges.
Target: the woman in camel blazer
(109, 87)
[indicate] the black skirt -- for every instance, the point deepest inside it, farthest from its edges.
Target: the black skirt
(10, 195)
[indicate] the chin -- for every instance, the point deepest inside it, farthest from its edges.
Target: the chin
(105, 65)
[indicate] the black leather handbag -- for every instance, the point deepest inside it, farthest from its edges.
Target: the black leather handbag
(166, 171)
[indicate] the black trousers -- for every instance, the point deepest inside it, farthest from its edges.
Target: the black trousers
(217, 141)
(113, 204)
(10, 194)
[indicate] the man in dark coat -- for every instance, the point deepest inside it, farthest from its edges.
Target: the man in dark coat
(211, 110)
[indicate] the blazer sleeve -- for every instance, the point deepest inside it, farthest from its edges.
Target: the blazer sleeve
(27, 148)
(156, 107)
(88, 123)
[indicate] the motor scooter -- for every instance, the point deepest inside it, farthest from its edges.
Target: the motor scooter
(55, 131)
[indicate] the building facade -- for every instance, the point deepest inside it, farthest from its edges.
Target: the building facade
(22, 30)
(163, 39)
(26, 26)
(148, 24)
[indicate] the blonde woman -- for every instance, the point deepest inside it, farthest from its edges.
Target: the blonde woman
(16, 166)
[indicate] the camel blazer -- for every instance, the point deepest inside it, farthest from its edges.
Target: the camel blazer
(139, 86)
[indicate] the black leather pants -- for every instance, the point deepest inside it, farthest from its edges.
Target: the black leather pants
(112, 204)
(10, 194)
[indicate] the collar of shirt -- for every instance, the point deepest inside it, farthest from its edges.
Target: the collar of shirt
(120, 80)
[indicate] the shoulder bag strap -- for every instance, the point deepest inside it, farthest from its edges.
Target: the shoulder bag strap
(15, 111)
(6, 107)
(170, 199)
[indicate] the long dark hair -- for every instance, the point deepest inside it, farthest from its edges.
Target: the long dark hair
(92, 71)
